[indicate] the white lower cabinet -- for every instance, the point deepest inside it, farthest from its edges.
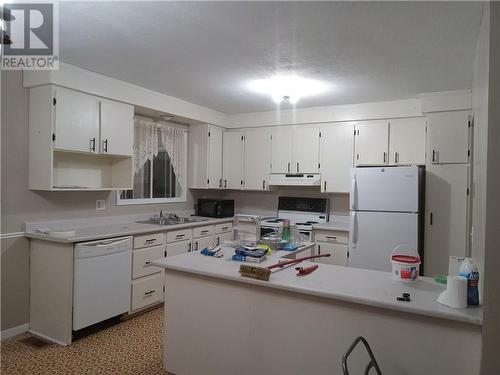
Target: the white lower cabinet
(334, 243)
(338, 253)
(177, 248)
(147, 291)
(200, 243)
(221, 238)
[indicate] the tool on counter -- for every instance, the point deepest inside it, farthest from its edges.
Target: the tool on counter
(306, 270)
(264, 273)
(404, 298)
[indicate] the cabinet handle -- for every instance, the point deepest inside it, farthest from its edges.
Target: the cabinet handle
(220, 182)
(225, 228)
(385, 157)
(263, 184)
(92, 144)
(319, 249)
(146, 263)
(105, 145)
(149, 293)
(196, 246)
(433, 156)
(324, 186)
(150, 240)
(288, 167)
(204, 231)
(396, 157)
(180, 236)
(331, 237)
(431, 217)
(225, 183)
(189, 247)
(218, 240)
(297, 166)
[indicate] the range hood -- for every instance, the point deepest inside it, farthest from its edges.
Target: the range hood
(296, 179)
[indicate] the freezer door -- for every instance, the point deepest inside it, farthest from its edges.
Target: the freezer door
(392, 189)
(375, 234)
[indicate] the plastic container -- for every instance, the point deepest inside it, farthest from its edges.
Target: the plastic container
(470, 271)
(405, 264)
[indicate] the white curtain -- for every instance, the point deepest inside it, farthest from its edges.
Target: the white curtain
(173, 139)
(150, 136)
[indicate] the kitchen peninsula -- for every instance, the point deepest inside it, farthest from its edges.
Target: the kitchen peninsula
(218, 322)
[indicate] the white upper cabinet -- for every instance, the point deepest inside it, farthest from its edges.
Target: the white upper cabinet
(117, 128)
(448, 137)
(257, 159)
(371, 143)
(205, 157)
(282, 150)
(407, 141)
(336, 157)
(232, 175)
(76, 121)
(215, 157)
(306, 149)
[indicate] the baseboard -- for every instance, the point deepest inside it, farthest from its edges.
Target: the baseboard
(14, 331)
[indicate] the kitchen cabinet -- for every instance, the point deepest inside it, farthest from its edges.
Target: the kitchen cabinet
(295, 149)
(371, 142)
(76, 120)
(338, 253)
(233, 160)
(282, 149)
(446, 227)
(65, 148)
(448, 137)
(146, 291)
(407, 141)
(336, 157)
(205, 157)
(117, 128)
(334, 243)
(180, 247)
(203, 242)
(257, 159)
(306, 149)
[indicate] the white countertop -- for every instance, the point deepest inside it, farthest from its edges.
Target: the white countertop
(367, 287)
(90, 233)
(332, 225)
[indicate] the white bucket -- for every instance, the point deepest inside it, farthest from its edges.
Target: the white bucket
(405, 263)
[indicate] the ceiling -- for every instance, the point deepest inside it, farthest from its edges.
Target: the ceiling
(207, 52)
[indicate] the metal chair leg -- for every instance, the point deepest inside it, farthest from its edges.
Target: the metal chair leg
(373, 362)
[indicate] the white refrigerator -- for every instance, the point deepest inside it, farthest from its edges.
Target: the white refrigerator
(386, 206)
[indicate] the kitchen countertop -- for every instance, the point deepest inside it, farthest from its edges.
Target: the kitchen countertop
(91, 233)
(332, 225)
(355, 285)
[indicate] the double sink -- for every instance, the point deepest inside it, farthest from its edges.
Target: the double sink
(171, 220)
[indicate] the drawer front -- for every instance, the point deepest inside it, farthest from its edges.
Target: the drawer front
(331, 236)
(180, 247)
(223, 228)
(206, 230)
(147, 291)
(141, 259)
(179, 235)
(147, 240)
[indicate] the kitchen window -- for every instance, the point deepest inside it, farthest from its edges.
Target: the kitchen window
(160, 155)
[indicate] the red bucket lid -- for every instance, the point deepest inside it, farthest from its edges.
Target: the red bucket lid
(406, 258)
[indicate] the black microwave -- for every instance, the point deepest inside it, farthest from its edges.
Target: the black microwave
(215, 207)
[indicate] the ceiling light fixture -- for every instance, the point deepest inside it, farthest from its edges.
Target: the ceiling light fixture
(288, 89)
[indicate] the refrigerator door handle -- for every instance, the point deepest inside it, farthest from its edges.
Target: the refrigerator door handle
(353, 230)
(353, 192)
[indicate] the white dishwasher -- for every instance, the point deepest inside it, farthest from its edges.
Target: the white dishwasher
(102, 274)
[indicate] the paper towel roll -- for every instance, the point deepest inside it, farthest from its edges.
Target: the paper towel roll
(455, 294)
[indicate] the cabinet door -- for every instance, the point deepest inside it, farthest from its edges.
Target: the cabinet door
(117, 128)
(233, 160)
(371, 143)
(282, 150)
(257, 159)
(338, 253)
(176, 248)
(214, 157)
(306, 149)
(407, 142)
(448, 137)
(203, 242)
(76, 121)
(446, 216)
(221, 238)
(336, 157)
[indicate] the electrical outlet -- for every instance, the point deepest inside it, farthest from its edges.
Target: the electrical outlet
(100, 204)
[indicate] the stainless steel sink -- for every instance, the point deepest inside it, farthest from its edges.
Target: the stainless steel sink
(171, 220)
